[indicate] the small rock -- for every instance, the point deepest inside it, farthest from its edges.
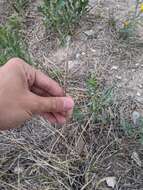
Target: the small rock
(138, 94)
(77, 56)
(111, 181)
(18, 170)
(68, 40)
(140, 86)
(118, 77)
(135, 117)
(137, 64)
(72, 64)
(93, 50)
(114, 68)
(83, 53)
(119, 86)
(136, 158)
(89, 33)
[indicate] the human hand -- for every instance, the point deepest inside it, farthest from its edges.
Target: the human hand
(25, 92)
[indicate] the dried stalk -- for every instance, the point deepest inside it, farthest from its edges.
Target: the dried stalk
(66, 75)
(66, 67)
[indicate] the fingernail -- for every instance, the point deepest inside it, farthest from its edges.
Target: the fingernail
(68, 104)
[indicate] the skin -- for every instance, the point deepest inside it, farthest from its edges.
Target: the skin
(25, 92)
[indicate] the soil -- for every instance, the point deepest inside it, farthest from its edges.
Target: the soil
(115, 64)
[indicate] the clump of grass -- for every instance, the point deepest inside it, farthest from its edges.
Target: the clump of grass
(134, 20)
(100, 100)
(11, 42)
(61, 16)
(20, 5)
(133, 131)
(98, 103)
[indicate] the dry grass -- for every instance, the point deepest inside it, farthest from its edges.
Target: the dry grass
(93, 145)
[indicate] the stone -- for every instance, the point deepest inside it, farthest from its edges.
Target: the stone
(140, 86)
(136, 158)
(138, 94)
(111, 181)
(118, 77)
(72, 64)
(83, 53)
(90, 33)
(77, 56)
(114, 68)
(135, 117)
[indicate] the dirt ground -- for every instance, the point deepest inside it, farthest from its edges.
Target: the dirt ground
(81, 154)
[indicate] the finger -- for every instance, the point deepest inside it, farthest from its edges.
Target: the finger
(50, 117)
(59, 118)
(69, 114)
(54, 118)
(38, 104)
(39, 92)
(47, 84)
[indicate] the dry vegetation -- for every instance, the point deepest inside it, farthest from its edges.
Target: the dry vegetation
(101, 147)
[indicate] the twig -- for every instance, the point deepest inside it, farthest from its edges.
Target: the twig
(66, 66)
(66, 75)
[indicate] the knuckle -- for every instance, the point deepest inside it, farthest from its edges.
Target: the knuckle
(33, 103)
(59, 106)
(53, 104)
(15, 61)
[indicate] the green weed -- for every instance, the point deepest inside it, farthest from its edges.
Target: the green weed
(61, 16)
(128, 128)
(133, 131)
(11, 42)
(56, 74)
(20, 5)
(99, 100)
(134, 20)
(78, 114)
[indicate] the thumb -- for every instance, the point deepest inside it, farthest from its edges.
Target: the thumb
(50, 104)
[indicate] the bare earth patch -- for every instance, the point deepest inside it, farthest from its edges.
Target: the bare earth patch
(83, 153)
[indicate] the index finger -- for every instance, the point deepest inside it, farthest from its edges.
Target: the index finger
(47, 84)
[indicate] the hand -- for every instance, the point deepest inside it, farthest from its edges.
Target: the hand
(25, 92)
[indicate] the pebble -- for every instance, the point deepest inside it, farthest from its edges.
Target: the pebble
(93, 50)
(136, 158)
(138, 94)
(77, 55)
(135, 117)
(118, 77)
(140, 86)
(72, 64)
(90, 33)
(18, 170)
(111, 182)
(68, 40)
(114, 68)
(83, 53)
(137, 64)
